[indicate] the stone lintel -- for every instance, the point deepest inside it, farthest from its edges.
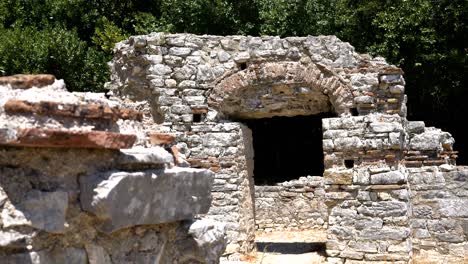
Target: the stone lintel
(50, 138)
(92, 111)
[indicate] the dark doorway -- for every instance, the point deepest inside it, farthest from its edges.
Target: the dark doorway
(287, 148)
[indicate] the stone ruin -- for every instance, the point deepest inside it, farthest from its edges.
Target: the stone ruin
(300, 133)
(74, 191)
(385, 189)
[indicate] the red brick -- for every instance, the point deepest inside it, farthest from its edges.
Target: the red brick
(91, 111)
(161, 138)
(26, 81)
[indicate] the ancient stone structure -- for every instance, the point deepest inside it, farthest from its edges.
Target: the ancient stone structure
(73, 190)
(391, 189)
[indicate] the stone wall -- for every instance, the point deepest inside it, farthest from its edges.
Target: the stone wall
(439, 214)
(201, 88)
(295, 205)
(72, 190)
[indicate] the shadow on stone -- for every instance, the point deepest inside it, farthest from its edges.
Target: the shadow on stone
(291, 248)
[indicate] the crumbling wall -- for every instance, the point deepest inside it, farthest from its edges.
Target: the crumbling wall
(72, 190)
(200, 88)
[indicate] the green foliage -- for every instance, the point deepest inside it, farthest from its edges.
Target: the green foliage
(73, 39)
(52, 50)
(297, 17)
(106, 34)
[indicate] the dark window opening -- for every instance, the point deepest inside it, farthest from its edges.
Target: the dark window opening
(243, 66)
(354, 111)
(197, 118)
(349, 164)
(286, 148)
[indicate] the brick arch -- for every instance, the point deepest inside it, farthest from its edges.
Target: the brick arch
(231, 93)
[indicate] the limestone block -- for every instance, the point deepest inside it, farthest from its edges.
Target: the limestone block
(384, 127)
(12, 239)
(144, 156)
(416, 127)
(391, 177)
(159, 69)
(348, 144)
(210, 237)
(124, 199)
(364, 100)
(223, 56)
(386, 233)
(41, 210)
(383, 209)
(57, 256)
(337, 176)
(453, 207)
(177, 51)
(242, 57)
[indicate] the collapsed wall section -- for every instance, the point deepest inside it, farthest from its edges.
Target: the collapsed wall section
(73, 190)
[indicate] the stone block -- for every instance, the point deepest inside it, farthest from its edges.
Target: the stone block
(42, 210)
(124, 199)
(416, 127)
(391, 177)
(89, 111)
(383, 209)
(386, 233)
(210, 237)
(12, 239)
(161, 138)
(35, 137)
(337, 176)
(57, 256)
(143, 156)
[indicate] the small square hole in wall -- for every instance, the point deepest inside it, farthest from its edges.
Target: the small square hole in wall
(242, 65)
(349, 164)
(354, 111)
(197, 118)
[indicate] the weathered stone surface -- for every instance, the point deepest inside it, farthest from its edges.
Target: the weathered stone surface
(335, 176)
(453, 207)
(139, 156)
(58, 256)
(392, 177)
(125, 199)
(42, 210)
(25, 81)
(161, 138)
(210, 237)
(93, 111)
(33, 137)
(384, 209)
(12, 239)
(97, 254)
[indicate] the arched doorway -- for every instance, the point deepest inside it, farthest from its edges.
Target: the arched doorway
(276, 102)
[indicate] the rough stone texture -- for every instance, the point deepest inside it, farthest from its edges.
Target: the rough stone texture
(291, 206)
(72, 110)
(123, 199)
(199, 88)
(33, 137)
(25, 81)
(63, 181)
